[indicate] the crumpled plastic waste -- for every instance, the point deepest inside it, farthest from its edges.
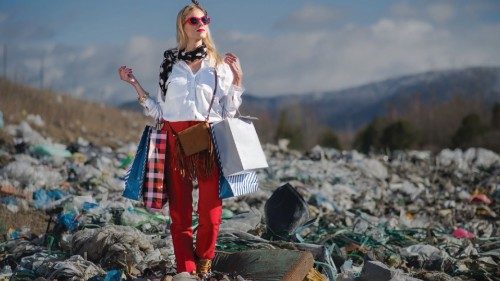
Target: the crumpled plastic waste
(43, 197)
(23, 133)
(2, 122)
(55, 150)
(35, 119)
(75, 268)
(112, 275)
(115, 246)
(126, 161)
(244, 221)
(5, 273)
(28, 172)
(462, 233)
(13, 234)
(37, 261)
(472, 158)
(11, 203)
(480, 198)
(69, 220)
(347, 272)
(427, 256)
(373, 168)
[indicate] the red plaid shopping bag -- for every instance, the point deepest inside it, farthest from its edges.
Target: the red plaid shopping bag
(154, 191)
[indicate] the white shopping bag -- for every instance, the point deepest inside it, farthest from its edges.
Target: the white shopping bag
(238, 145)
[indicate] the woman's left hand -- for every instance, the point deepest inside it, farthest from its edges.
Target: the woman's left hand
(234, 64)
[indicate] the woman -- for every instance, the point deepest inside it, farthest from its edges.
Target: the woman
(187, 82)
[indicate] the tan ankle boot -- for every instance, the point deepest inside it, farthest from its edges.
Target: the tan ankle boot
(203, 267)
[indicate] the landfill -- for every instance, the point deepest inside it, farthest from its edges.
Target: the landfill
(403, 215)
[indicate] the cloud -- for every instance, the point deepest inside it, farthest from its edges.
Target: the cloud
(441, 12)
(3, 17)
(19, 25)
(99, 65)
(91, 71)
(399, 30)
(475, 9)
(353, 54)
(25, 30)
(310, 16)
(434, 11)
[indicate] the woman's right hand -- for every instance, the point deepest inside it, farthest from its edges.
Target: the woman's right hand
(126, 75)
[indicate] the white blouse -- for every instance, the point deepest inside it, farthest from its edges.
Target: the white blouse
(189, 94)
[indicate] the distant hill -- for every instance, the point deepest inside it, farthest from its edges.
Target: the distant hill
(67, 118)
(354, 107)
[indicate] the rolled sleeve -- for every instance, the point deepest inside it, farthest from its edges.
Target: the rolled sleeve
(152, 107)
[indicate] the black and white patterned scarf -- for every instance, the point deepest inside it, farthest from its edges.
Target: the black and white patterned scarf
(171, 56)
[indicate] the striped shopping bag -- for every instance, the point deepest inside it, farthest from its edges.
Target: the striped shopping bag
(237, 185)
(154, 191)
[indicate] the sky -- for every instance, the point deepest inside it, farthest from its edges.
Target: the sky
(285, 47)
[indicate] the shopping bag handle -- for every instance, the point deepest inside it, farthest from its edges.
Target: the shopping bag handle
(248, 117)
(237, 115)
(213, 95)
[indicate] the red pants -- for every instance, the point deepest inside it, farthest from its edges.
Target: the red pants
(181, 209)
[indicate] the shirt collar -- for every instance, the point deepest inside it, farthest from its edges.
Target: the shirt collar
(204, 63)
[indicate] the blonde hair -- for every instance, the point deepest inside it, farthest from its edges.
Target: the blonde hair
(182, 39)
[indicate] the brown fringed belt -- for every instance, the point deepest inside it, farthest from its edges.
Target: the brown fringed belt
(199, 164)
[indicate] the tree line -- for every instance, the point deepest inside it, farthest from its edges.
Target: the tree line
(457, 123)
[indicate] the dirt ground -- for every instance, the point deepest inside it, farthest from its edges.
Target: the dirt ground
(34, 219)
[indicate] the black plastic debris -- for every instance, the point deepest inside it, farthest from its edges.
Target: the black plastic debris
(286, 211)
(375, 271)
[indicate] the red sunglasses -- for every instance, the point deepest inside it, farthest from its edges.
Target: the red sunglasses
(195, 20)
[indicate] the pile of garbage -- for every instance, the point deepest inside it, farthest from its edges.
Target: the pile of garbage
(323, 214)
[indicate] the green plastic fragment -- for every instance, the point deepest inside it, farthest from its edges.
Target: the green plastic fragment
(49, 150)
(227, 214)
